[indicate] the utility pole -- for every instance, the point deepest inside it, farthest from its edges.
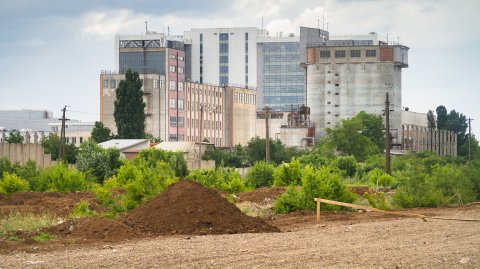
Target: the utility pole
(267, 134)
(469, 141)
(387, 134)
(61, 150)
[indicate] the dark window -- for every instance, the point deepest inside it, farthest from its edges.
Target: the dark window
(339, 54)
(371, 53)
(355, 53)
(324, 54)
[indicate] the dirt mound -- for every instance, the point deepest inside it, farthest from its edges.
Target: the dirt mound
(189, 208)
(57, 204)
(260, 195)
(93, 229)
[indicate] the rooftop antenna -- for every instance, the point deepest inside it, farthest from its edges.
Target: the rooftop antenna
(168, 30)
(327, 26)
(323, 25)
(146, 28)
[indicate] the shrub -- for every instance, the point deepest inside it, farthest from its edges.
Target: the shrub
(377, 177)
(224, 179)
(29, 172)
(377, 200)
(97, 161)
(11, 183)
(451, 181)
(5, 166)
(288, 174)
(82, 209)
(347, 165)
(322, 183)
(62, 179)
(175, 159)
(260, 175)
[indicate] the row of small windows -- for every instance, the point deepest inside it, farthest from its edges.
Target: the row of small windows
(353, 53)
(207, 124)
(215, 92)
(244, 98)
(192, 105)
(173, 69)
(180, 58)
(156, 84)
(216, 141)
(173, 86)
(73, 140)
(173, 103)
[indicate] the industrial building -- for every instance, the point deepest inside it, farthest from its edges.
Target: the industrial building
(346, 76)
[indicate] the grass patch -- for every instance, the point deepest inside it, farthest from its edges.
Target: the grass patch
(256, 210)
(82, 209)
(43, 237)
(12, 238)
(25, 222)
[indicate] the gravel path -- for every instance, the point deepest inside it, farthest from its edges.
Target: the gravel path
(393, 243)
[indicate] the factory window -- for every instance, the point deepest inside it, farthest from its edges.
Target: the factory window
(81, 140)
(180, 58)
(173, 121)
(173, 103)
(336, 75)
(162, 83)
(339, 54)
(336, 105)
(328, 103)
(180, 104)
(329, 82)
(329, 112)
(355, 53)
(74, 140)
(371, 53)
(180, 70)
(328, 122)
(155, 83)
(336, 84)
(324, 54)
(329, 92)
(336, 115)
(172, 68)
(180, 121)
(113, 84)
(171, 56)
(336, 93)
(180, 86)
(105, 83)
(173, 85)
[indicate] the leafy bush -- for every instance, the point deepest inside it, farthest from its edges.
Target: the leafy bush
(347, 165)
(82, 209)
(43, 237)
(11, 183)
(260, 175)
(378, 178)
(452, 180)
(224, 179)
(288, 174)
(97, 161)
(29, 172)
(174, 159)
(377, 200)
(61, 178)
(322, 183)
(5, 166)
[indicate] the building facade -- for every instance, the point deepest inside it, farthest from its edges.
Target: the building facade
(345, 77)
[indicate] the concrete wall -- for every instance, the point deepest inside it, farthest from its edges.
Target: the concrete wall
(414, 118)
(419, 138)
(22, 153)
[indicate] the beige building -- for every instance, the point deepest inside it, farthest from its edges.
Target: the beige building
(75, 132)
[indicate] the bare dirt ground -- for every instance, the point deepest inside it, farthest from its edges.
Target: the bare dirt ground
(339, 240)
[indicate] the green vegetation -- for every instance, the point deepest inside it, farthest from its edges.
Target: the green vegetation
(96, 161)
(51, 145)
(43, 237)
(11, 183)
(24, 222)
(100, 133)
(129, 111)
(260, 175)
(82, 209)
(61, 178)
(224, 179)
(14, 137)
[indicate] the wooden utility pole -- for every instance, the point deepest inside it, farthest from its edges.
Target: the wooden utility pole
(267, 134)
(61, 151)
(469, 140)
(387, 135)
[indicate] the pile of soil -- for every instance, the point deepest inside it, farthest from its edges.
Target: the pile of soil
(93, 229)
(55, 203)
(189, 208)
(261, 194)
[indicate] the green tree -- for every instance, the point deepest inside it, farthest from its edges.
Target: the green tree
(431, 120)
(358, 136)
(278, 152)
(100, 133)
(51, 145)
(97, 161)
(456, 122)
(14, 137)
(260, 175)
(152, 156)
(129, 107)
(236, 157)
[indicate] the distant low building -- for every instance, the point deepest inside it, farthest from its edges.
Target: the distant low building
(126, 146)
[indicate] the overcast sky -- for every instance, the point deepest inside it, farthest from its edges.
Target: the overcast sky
(52, 51)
